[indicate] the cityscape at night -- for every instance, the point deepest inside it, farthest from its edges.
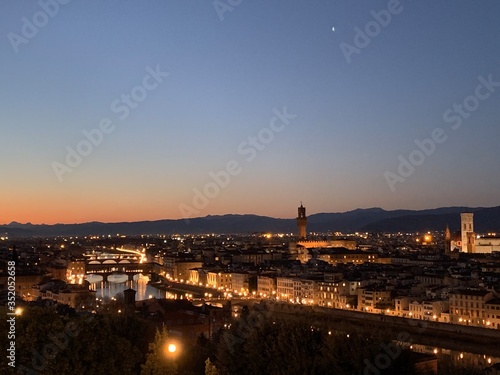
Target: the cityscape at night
(402, 302)
(250, 187)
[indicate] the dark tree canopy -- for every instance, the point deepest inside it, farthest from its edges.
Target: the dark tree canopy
(288, 348)
(49, 341)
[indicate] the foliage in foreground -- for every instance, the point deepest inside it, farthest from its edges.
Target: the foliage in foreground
(285, 347)
(48, 342)
(52, 343)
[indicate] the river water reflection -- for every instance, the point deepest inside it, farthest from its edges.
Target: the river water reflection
(114, 288)
(458, 357)
(116, 284)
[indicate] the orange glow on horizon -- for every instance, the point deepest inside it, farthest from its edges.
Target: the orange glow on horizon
(76, 211)
(62, 204)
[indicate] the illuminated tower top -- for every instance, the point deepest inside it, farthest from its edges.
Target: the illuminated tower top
(467, 229)
(302, 211)
(447, 240)
(447, 233)
(302, 222)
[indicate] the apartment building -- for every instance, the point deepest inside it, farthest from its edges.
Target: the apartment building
(468, 306)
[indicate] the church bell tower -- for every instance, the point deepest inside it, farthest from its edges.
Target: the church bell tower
(302, 222)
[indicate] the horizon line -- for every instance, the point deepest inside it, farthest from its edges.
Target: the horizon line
(234, 214)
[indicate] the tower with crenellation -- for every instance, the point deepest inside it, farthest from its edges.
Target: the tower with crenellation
(302, 222)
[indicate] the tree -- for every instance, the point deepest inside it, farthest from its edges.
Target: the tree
(210, 368)
(159, 361)
(300, 347)
(50, 343)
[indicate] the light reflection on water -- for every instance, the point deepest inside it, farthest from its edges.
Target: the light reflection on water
(106, 289)
(468, 359)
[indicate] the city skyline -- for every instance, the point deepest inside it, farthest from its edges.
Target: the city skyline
(126, 112)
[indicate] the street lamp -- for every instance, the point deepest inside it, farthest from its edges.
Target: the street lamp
(171, 349)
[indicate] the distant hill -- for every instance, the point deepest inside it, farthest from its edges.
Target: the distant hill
(485, 220)
(14, 232)
(363, 220)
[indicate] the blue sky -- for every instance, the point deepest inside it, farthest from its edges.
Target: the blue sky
(225, 79)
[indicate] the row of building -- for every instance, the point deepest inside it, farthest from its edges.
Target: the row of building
(423, 297)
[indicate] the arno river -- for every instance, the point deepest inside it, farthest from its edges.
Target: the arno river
(114, 287)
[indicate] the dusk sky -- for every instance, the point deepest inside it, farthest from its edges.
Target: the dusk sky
(350, 108)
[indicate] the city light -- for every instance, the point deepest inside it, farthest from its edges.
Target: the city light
(171, 348)
(296, 292)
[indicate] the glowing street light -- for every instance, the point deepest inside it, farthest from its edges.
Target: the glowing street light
(171, 348)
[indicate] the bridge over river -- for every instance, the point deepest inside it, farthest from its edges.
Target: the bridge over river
(120, 261)
(130, 269)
